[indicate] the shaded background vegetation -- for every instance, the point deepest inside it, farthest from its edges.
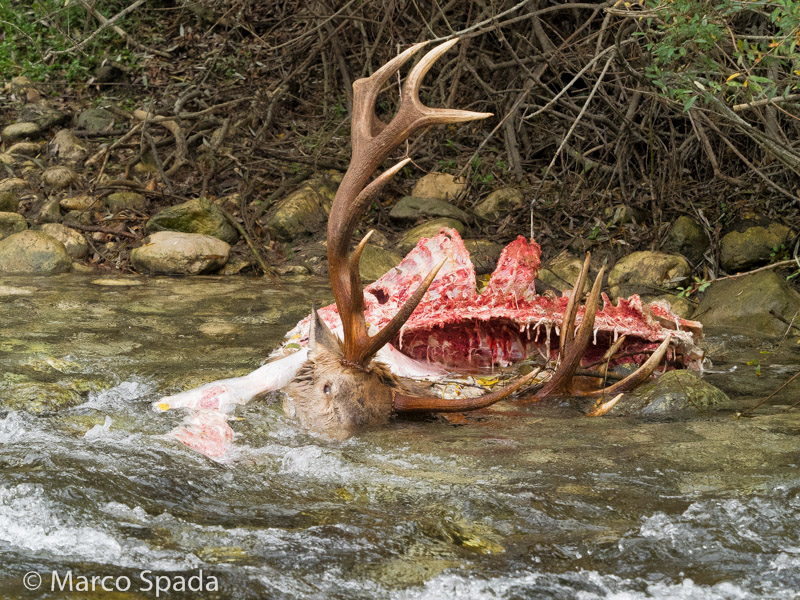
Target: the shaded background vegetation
(667, 107)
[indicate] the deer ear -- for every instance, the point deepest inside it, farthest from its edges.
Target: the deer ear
(320, 335)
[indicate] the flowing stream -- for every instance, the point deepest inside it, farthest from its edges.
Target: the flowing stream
(522, 501)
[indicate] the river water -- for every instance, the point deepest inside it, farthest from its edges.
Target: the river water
(523, 501)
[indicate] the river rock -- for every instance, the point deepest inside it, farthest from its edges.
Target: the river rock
(58, 178)
(73, 241)
(50, 212)
(199, 215)
(80, 202)
(33, 252)
(441, 186)
(96, 119)
(66, 146)
(375, 262)
(20, 131)
(562, 271)
(483, 254)
(174, 252)
(412, 208)
(647, 273)
(11, 223)
(126, 201)
(427, 230)
(25, 149)
(43, 115)
(9, 202)
(38, 397)
(744, 304)
(13, 184)
(500, 203)
(687, 237)
(742, 250)
(675, 394)
(304, 211)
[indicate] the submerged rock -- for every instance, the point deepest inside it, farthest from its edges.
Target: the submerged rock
(38, 397)
(441, 186)
(427, 230)
(742, 250)
(73, 241)
(500, 203)
(20, 131)
(33, 252)
(647, 273)
(744, 303)
(199, 215)
(11, 223)
(688, 238)
(412, 208)
(304, 211)
(375, 262)
(173, 252)
(675, 394)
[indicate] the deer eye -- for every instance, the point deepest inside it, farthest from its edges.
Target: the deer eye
(327, 388)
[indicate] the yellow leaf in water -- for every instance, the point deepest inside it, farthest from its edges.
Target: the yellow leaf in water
(487, 380)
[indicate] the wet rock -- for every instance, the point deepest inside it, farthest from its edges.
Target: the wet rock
(688, 238)
(375, 262)
(13, 184)
(20, 131)
(96, 119)
(427, 230)
(500, 203)
(73, 241)
(126, 201)
(304, 211)
(50, 212)
(33, 252)
(647, 273)
(81, 202)
(9, 202)
(441, 186)
(199, 215)
(484, 255)
(412, 208)
(38, 397)
(43, 115)
(744, 304)
(25, 149)
(675, 394)
(742, 250)
(11, 223)
(562, 271)
(173, 252)
(58, 178)
(66, 146)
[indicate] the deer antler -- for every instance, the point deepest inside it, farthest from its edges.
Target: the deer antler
(372, 142)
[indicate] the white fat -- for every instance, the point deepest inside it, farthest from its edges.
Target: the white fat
(405, 366)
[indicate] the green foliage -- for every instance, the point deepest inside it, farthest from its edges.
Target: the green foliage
(33, 33)
(699, 285)
(739, 50)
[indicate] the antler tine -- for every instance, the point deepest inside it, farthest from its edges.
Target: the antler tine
(573, 352)
(412, 404)
(567, 325)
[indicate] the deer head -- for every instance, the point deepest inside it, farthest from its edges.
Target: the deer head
(341, 389)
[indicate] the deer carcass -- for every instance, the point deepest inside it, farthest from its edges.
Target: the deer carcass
(425, 317)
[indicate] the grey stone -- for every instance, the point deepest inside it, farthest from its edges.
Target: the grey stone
(96, 119)
(73, 241)
(81, 202)
(199, 215)
(742, 250)
(688, 238)
(13, 184)
(43, 115)
(483, 254)
(67, 146)
(11, 223)
(9, 202)
(412, 208)
(174, 252)
(58, 178)
(25, 149)
(675, 394)
(562, 271)
(375, 262)
(126, 201)
(20, 131)
(50, 212)
(500, 203)
(427, 230)
(744, 304)
(441, 186)
(647, 273)
(33, 252)
(304, 211)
